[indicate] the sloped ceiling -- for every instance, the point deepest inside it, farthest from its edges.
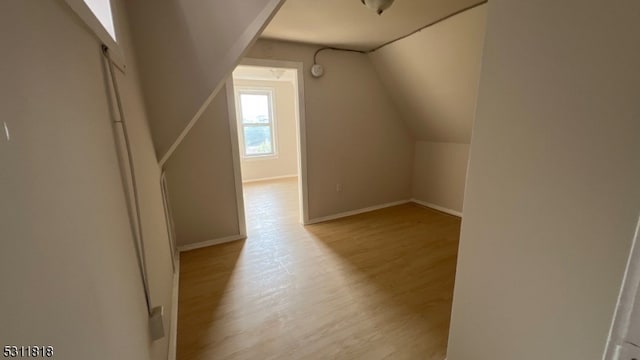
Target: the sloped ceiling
(433, 76)
(348, 23)
(185, 50)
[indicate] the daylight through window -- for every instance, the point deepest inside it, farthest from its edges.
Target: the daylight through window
(256, 122)
(102, 10)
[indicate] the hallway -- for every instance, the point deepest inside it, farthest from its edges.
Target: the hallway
(271, 205)
(371, 286)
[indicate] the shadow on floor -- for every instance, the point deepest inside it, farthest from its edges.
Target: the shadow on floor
(409, 257)
(372, 286)
(204, 275)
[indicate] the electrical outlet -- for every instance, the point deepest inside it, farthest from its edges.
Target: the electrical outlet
(338, 187)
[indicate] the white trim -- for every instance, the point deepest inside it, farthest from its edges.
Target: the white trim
(171, 232)
(173, 330)
(356, 212)
(235, 154)
(207, 243)
(270, 178)
(629, 290)
(232, 58)
(302, 143)
(259, 158)
(89, 19)
(189, 126)
(300, 128)
(438, 207)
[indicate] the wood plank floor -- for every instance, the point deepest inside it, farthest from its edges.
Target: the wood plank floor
(372, 286)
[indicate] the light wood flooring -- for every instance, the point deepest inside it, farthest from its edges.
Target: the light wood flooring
(372, 286)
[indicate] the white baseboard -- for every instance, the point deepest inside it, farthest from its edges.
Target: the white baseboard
(270, 178)
(173, 331)
(226, 239)
(356, 212)
(437, 207)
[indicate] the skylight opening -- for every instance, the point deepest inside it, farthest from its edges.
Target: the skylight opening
(102, 10)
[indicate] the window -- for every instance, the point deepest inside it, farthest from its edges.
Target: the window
(102, 10)
(256, 123)
(98, 16)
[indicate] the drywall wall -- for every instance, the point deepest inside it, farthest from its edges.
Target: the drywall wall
(439, 173)
(432, 77)
(552, 195)
(154, 227)
(200, 179)
(67, 257)
(284, 107)
(354, 138)
(354, 135)
(187, 49)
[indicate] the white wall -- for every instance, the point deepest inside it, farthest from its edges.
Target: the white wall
(354, 134)
(432, 77)
(348, 101)
(552, 195)
(67, 258)
(286, 161)
(200, 179)
(439, 173)
(187, 49)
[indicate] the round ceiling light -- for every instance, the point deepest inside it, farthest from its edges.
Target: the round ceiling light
(379, 6)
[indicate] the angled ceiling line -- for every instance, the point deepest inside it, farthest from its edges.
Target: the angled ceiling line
(232, 58)
(428, 25)
(315, 55)
(322, 48)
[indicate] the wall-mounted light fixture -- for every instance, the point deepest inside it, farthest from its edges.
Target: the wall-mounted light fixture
(379, 6)
(317, 70)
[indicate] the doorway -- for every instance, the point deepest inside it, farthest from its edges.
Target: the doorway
(266, 107)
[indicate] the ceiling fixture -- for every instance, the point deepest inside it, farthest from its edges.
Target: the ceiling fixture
(379, 6)
(277, 73)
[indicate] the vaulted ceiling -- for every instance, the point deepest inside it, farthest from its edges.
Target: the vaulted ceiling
(433, 76)
(348, 23)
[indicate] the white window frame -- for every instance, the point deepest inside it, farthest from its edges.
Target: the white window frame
(270, 93)
(86, 15)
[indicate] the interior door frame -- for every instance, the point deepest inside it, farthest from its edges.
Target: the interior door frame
(301, 137)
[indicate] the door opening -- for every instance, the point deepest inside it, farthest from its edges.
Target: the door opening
(266, 107)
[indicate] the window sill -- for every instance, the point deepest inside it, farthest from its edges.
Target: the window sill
(260, 157)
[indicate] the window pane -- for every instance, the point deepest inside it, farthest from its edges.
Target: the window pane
(257, 140)
(255, 108)
(102, 10)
